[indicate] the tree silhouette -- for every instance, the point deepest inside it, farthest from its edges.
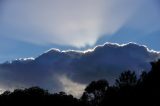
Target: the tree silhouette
(95, 91)
(126, 78)
(37, 96)
(36, 91)
(151, 85)
(129, 90)
(143, 76)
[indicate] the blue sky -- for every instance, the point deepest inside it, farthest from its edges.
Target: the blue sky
(30, 27)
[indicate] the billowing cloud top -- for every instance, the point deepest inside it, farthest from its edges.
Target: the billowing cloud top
(71, 70)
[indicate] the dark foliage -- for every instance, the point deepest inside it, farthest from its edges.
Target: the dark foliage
(127, 91)
(130, 91)
(94, 92)
(37, 96)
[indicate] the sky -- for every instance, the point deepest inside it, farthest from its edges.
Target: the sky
(73, 42)
(30, 27)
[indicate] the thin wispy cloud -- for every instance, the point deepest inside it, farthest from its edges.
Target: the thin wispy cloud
(75, 23)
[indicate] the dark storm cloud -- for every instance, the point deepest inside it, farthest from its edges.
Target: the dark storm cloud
(65, 70)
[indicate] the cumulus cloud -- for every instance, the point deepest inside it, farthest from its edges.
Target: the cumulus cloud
(71, 87)
(71, 71)
(75, 23)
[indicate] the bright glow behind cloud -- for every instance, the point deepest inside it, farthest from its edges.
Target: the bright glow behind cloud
(65, 22)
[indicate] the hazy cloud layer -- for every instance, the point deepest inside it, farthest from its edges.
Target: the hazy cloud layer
(73, 22)
(72, 70)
